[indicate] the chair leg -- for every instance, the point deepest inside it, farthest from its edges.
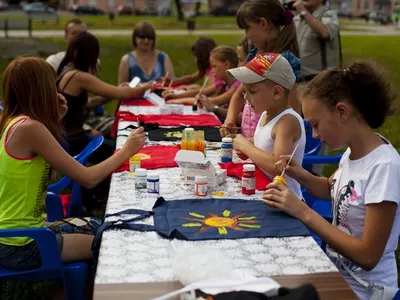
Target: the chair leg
(75, 275)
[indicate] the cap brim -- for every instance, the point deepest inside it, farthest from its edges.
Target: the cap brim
(245, 75)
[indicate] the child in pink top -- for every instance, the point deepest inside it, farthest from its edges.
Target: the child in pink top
(249, 117)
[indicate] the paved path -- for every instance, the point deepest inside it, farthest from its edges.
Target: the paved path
(358, 30)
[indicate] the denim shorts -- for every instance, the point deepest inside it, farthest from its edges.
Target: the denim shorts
(28, 257)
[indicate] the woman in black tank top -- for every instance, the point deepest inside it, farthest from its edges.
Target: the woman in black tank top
(76, 79)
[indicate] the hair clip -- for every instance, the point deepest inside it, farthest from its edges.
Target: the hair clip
(287, 17)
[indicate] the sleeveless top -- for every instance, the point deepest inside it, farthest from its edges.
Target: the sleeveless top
(77, 113)
(136, 71)
(264, 141)
(22, 190)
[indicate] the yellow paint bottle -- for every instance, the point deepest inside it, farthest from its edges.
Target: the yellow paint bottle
(280, 179)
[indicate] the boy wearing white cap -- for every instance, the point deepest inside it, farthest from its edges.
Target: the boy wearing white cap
(268, 79)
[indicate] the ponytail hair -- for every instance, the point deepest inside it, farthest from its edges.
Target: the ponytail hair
(201, 49)
(361, 84)
(272, 11)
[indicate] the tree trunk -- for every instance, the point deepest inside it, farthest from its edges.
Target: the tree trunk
(179, 9)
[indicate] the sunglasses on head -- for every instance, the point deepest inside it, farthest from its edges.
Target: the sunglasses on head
(143, 36)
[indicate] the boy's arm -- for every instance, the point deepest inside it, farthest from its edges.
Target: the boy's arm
(286, 131)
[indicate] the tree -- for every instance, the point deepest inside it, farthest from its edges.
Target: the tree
(179, 9)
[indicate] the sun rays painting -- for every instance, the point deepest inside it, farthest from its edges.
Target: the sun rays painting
(238, 222)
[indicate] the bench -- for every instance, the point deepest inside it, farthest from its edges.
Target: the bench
(11, 24)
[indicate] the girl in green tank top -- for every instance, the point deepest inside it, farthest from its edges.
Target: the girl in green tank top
(30, 136)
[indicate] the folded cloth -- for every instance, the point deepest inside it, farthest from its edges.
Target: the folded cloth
(137, 102)
(166, 120)
(154, 157)
(236, 170)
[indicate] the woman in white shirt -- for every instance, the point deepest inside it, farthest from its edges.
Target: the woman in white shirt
(344, 107)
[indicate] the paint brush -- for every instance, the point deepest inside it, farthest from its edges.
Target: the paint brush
(165, 77)
(170, 84)
(198, 95)
(290, 160)
(138, 122)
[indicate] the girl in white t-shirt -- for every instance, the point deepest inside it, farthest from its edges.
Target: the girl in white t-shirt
(344, 107)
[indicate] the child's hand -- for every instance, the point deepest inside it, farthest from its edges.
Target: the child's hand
(151, 85)
(293, 170)
(279, 196)
(166, 80)
(203, 99)
(63, 106)
(240, 143)
(166, 93)
(135, 141)
(228, 129)
(169, 95)
(124, 84)
(241, 155)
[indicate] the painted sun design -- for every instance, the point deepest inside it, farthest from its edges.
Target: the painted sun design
(222, 222)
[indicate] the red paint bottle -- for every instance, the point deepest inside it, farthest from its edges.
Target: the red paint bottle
(249, 179)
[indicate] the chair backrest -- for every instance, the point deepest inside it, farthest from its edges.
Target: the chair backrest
(312, 145)
(46, 240)
(75, 206)
(93, 145)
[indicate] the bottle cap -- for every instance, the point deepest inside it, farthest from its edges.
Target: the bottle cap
(135, 158)
(249, 167)
(141, 172)
(153, 176)
(189, 129)
(200, 178)
(227, 140)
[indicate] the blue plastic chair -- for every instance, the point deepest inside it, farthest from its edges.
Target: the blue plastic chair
(74, 275)
(322, 207)
(313, 146)
(53, 201)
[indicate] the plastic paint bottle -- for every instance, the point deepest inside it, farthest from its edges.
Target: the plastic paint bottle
(200, 183)
(226, 150)
(249, 179)
(141, 178)
(153, 183)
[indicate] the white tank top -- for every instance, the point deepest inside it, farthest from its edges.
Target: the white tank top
(264, 141)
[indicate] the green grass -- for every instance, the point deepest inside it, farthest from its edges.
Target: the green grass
(128, 22)
(375, 48)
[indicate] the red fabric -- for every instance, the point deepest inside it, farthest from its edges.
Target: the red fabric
(137, 102)
(236, 170)
(161, 157)
(172, 120)
(65, 201)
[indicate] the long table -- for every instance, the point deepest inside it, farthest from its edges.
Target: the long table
(139, 265)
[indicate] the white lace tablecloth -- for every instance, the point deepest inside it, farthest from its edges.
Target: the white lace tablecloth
(132, 256)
